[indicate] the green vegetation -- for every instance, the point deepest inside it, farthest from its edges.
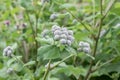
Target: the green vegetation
(59, 40)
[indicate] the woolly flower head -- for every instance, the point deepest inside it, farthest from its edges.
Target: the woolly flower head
(53, 16)
(8, 51)
(84, 47)
(63, 35)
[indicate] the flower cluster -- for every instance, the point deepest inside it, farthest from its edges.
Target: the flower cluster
(84, 47)
(63, 35)
(8, 51)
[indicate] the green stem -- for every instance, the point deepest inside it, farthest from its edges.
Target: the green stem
(24, 67)
(47, 71)
(33, 32)
(109, 6)
(93, 1)
(96, 45)
(98, 67)
(78, 20)
(98, 36)
(63, 60)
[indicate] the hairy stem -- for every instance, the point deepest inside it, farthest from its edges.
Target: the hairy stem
(33, 32)
(109, 6)
(63, 60)
(49, 68)
(47, 71)
(97, 39)
(78, 20)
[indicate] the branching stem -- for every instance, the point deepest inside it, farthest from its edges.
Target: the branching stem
(98, 36)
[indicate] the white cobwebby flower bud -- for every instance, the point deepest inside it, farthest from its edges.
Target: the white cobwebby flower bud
(71, 38)
(8, 51)
(64, 29)
(56, 37)
(70, 32)
(86, 44)
(81, 43)
(55, 27)
(53, 16)
(80, 49)
(63, 36)
(86, 50)
(57, 32)
(10, 70)
(63, 41)
(69, 42)
(65, 32)
(8, 48)
(5, 52)
(74, 21)
(44, 32)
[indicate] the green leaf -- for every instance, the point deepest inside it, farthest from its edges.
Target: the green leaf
(68, 6)
(70, 70)
(29, 63)
(112, 67)
(48, 52)
(53, 53)
(71, 50)
(13, 60)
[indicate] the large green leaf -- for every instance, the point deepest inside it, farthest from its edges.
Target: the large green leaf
(112, 67)
(70, 70)
(48, 52)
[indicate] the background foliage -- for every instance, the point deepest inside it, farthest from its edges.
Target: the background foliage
(22, 23)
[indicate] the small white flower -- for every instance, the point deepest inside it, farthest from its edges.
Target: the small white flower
(44, 32)
(65, 32)
(69, 42)
(80, 49)
(71, 38)
(81, 43)
(70, 32)
(86, 50)
(63, 36)
(55, 27)
(53, 16)
(57, 32)
(8, 51)
(63, 41)
(74, 21)
(64, 29)
(86, 44)
(56, 37)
